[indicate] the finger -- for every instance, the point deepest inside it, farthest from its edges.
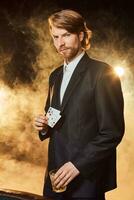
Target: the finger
(69, 178)
(40, 120)
(64, 170)
(67, 181)
(63, 181)
(62, 176)
(58, 177)
(41, 116)
(58, 173)
(38, 123)
(39, 128)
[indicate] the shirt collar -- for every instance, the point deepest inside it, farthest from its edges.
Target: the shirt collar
(72, 65)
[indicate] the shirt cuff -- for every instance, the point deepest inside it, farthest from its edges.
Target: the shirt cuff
(43, 132)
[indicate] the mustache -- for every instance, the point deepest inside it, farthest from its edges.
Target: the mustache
(63, 48)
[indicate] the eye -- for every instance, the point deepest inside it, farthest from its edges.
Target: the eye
(55, 37)
(67, 34)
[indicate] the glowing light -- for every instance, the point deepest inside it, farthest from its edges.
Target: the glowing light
(119, 71)
(4, 101)
(3, 93)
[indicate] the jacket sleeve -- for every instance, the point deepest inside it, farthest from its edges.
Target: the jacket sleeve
(109, 111)
(45, 134)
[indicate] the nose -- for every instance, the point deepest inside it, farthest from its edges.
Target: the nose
(61, 42)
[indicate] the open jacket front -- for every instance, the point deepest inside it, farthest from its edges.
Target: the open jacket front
(91, 127)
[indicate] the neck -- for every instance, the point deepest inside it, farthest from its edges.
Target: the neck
(68, 60)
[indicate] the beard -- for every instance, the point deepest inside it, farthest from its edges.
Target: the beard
(68, 53)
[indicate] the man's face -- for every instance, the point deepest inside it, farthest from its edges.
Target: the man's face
(67, 44)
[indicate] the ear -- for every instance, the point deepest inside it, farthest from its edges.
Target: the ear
(81, 36)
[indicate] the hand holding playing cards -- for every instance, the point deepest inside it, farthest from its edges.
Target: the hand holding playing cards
(65, 175)
(41, 122)
(53, 116)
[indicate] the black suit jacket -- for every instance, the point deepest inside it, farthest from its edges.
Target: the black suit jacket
(91, 127)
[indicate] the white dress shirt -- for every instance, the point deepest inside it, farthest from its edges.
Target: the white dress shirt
(68, 70)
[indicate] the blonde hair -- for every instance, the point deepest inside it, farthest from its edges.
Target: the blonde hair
(73, 22)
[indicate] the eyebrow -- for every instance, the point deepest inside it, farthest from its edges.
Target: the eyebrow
(62, 34)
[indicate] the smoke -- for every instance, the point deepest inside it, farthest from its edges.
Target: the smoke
(23, 89)
(22, 176)
(27, 57)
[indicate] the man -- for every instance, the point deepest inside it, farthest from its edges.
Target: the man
(88, 95)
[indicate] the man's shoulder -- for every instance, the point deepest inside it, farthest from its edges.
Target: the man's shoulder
(98, 69)
(94, 63)
(98, 64)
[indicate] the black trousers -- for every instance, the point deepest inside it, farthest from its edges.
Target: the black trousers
(80, 199)
(102, 197)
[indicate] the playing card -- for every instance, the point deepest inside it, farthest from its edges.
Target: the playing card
(53, 116)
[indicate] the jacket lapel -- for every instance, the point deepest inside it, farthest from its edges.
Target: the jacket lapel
(56, 90)
(76, 77)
